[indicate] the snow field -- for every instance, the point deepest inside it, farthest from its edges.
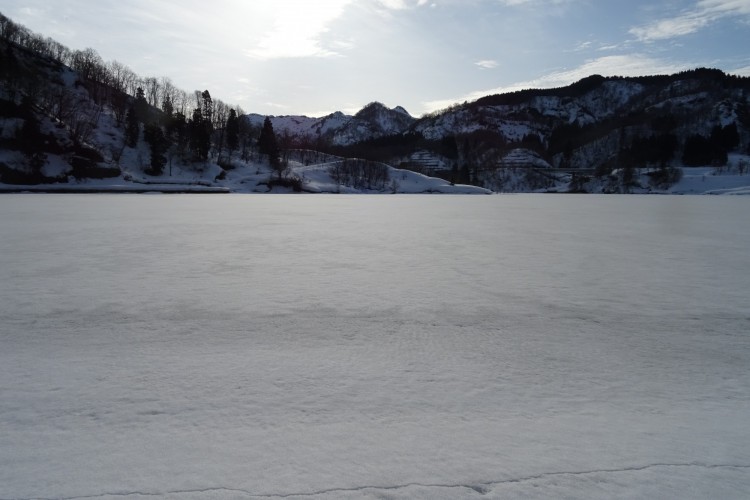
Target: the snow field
(373, 347)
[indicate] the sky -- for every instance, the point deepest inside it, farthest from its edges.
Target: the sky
(304, 57)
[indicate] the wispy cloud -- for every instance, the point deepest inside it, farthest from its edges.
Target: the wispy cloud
(401, 4)
(535, 3)
(621, 65)
(704, 13)
(389, 8)
(394, 4)
(486, 64)
(671, 28)
(745, 71)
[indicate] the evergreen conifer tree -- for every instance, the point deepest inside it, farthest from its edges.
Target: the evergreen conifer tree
(154, 136)
(30, 138)
(200, 137)
(132, 127)
(267, 144)
(208, 106)
(140, 106)
(233, 131)
(167, 107)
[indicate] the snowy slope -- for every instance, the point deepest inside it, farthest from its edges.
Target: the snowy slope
(710, 180)
(373, 121)
(246, 178)
(370, 347)
(532, 115)
(589, 123)
(303, 126)
(316, 178)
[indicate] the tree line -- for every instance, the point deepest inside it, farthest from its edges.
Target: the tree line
(191, 125)
(110, 77)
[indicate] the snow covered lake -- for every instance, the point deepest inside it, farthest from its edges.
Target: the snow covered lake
(373, 347)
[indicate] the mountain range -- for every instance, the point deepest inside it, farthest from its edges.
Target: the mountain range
(372, 122)
(585, 125)
(68, 116)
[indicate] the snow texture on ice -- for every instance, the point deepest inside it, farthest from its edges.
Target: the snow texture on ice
(365, 347)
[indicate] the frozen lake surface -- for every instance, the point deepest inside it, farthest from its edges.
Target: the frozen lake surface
(371, 347)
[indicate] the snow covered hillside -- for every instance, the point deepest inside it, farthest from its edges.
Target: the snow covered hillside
(303, 126)
(70, 122)
(74, 137)
(371, 122)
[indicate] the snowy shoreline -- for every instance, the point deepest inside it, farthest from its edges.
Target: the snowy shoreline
(52, 189)
(315, 179)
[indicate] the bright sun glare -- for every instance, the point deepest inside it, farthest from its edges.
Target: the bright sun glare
(295, 28)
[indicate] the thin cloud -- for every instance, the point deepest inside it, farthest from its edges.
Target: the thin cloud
(535, 3)
(704, 13)
(745, 71)
(672, 28)
(394, 4)
(389, 8)
(276, 105)
(401, 4)
(486, 64)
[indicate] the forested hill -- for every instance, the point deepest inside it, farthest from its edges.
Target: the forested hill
(609, 130)
(601, 121)
(68, 116)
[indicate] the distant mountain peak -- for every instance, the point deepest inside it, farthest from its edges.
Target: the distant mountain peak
(400, 109)
(379, 107)
(371, 109)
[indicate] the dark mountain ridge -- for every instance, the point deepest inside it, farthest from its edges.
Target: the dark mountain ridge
(565, 125)
(602, 123)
